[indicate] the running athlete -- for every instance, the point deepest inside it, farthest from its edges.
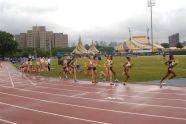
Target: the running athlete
(65, 67)
(89, 66)
(111, 71)
(127, 67)
(73, 68)
(93, 70)
(171, 64)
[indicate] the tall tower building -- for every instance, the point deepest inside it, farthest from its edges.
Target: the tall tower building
(38, 37)
(60, 40)
(21, 40)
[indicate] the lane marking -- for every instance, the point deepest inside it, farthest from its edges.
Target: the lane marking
(103, 100)
(115, 98)
(86, 107)
(39, 86)
(102, 93)
(44, 82)
(54, 114)
(80, 94)
(7, 121)
(28, 80)
(9, 76)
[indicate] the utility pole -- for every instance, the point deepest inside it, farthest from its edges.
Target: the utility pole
(130, 37)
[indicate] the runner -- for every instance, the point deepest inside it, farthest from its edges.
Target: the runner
(171, 64)
(49, 66)
(93, 69)
(104, 73)
(111, 71)
(73, 67)
(46, 64)
(38, 66)
(88, 64)
(127, 67)
(65, 67)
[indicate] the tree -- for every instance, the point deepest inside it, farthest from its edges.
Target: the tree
(165, 45)
(179, 45)
(28, 51)
(87, 46)
(7, 44)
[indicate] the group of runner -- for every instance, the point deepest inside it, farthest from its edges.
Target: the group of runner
(70, 67)
(41, 64)
(108, 73)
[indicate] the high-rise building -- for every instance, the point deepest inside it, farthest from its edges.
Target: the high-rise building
(184, 43)
(21, 40)
(174, 40)
(60, 40)
(38, 37)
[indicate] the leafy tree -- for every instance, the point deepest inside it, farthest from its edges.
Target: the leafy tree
(42, 53)
(28, 51)
(179, 45)
(7, 44)
(165, 45)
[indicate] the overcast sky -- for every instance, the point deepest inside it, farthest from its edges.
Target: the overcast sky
(101, 20)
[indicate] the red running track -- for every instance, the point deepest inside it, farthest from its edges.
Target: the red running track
(39, 100)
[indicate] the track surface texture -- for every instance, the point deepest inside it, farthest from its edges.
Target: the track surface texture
(26, 99)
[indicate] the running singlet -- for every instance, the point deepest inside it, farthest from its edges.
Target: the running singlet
(90, 63)
(94, 63)
(110, 63)
(128, 65)
(171, 64)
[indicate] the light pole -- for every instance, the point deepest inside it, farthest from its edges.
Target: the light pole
(130, 36)
(50, 43)
(151, 3)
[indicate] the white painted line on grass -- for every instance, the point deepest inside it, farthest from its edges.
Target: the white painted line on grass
(7, 121)
(53, 114)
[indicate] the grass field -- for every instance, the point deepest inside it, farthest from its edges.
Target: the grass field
(146, 68)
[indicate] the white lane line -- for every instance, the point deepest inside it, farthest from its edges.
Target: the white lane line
(93, 108)
(39, 86)
(5, 81)
(102, 93)
(100, 100)
(7, 121)
(156, 86)
(17, 72)
(24, 76)
(54, 114)
(80, 94)
(108, 89)
(62, 84)
(9, 76)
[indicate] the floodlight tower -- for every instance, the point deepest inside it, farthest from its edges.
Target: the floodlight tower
(151, 3)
